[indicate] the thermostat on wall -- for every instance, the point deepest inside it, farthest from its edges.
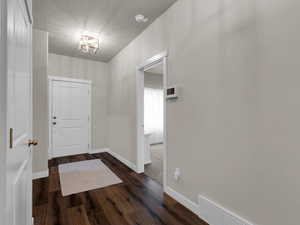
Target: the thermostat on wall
(171, 92)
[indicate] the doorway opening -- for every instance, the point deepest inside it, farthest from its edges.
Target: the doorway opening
(151, 115)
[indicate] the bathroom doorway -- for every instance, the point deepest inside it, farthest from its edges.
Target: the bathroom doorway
(154, 122)
(151, 115)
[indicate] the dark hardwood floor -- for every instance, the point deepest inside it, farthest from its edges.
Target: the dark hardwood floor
(137, 201)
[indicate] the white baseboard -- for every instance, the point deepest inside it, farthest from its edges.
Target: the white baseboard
(148, 162)
(49, 154)
(123, 160)
(41, 174)
(117, 156)
(182, 200)
(214, 214)
(99, 150)
(208, 210)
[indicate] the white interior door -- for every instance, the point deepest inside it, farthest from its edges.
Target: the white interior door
(70, 118)
(19, 113)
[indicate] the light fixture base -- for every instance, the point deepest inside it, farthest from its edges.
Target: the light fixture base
(141, 18)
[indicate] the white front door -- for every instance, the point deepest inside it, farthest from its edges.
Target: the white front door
(19, 113)
(70, 118)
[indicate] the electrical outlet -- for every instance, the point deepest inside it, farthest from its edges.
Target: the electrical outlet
(177, 174)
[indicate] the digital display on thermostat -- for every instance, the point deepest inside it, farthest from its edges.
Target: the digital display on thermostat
(171, 91)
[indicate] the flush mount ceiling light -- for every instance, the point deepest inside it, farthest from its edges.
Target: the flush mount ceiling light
(89, 43)
(141, 18)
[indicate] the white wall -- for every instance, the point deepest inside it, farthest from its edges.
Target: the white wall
(234, 131)
(97, 72)
(40, 100)
(152, 80)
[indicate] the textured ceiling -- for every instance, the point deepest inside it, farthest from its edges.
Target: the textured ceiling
(112, 19)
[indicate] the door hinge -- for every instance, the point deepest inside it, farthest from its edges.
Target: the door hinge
(11, 137)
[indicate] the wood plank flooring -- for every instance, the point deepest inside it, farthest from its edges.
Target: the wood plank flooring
(137, 201)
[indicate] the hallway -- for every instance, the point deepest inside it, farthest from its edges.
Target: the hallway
(138, 200)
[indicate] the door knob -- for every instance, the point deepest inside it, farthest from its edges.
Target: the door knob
(54, 123)
(32, 142)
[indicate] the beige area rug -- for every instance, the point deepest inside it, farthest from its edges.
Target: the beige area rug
(84, 176)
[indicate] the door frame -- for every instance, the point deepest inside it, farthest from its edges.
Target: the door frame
(51, 79)
(161, 58)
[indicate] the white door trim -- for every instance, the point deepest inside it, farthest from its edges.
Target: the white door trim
(161, 58)
(66, 79)
(51, 79)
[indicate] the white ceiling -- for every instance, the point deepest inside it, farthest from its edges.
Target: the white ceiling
(112, 19)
